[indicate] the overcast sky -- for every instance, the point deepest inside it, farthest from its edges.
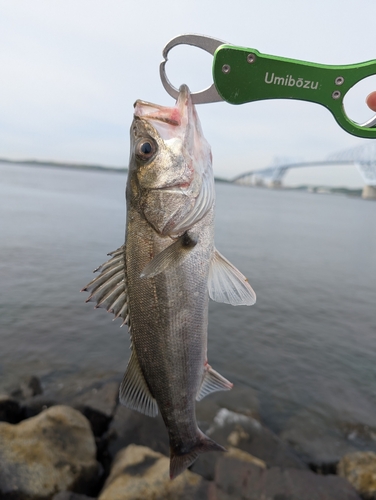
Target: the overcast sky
(72, 69)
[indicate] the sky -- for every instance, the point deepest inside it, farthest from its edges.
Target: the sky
(72, 69)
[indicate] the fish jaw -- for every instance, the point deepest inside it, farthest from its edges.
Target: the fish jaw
(175, 185)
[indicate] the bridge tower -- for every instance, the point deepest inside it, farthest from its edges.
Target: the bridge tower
(364, 158)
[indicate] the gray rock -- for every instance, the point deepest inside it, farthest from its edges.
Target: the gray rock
(10, 410)
(52, 452)
(131, 427)
(237, 479)
(33, 406)
(139, 473)
(247, 434)
(320, 442)
(97, 403)
(242, 400)
(28, 388)
(206, 463)
(360, 470)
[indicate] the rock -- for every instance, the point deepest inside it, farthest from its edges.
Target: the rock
(28, 388)
(10, 410)
(248, 434)
(139, 473)
(242, 400)
(52, 452)
(98, 404)
(243, 456)
(33, 406)
(240, 480)
(233, 430)
(69, 495)
(131, 427)
(322, 443)
(360, 470)
(205, 463)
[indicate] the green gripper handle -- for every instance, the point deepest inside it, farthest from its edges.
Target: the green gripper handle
(244, 75)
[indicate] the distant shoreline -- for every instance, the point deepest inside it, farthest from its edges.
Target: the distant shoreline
(77, 166)
(85, 166)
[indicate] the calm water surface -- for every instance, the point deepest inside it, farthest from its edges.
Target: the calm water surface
(308, 344)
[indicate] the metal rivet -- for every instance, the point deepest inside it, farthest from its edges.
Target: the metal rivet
(339, 80)
(336, 94)
(251, 58)
(226, 68)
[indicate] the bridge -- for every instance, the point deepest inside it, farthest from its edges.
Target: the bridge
(362, 157)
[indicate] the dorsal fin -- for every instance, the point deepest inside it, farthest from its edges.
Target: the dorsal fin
(109, 288)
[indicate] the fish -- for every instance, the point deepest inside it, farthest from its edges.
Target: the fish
(159, 282)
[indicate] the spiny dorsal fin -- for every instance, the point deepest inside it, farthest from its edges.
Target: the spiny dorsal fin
(212, 381)
(170, 257)
(227, 284)
(109, 288)
(134, 392)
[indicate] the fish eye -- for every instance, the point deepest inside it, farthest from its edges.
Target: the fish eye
(145, 149)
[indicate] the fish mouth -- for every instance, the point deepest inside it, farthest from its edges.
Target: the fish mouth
(178, 116)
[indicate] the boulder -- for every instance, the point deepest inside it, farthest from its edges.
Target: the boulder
(35, 405)
(205, 463)
(321, 443)
(360, 470)
(246, 433)
(233, 430)
(237, 479)
(240, 399)
(139, 473)
(29, 387)
(131, 427)
(97, 403)
(52, 452)
(10, 410)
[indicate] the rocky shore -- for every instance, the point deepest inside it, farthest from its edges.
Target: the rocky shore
(89, 447)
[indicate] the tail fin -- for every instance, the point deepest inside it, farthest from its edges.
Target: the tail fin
(181, 461)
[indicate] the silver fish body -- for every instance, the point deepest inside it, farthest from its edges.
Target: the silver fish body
(160, 281)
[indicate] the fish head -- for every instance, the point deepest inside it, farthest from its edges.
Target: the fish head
(170, 175)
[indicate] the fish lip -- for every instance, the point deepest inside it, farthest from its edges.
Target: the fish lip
(163, 119)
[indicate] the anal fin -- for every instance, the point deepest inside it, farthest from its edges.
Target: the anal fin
(134, 392)
(212, 382)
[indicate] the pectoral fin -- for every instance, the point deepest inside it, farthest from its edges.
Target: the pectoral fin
(212, 382)
(109, 288)
(171, 256)
(227, 284)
